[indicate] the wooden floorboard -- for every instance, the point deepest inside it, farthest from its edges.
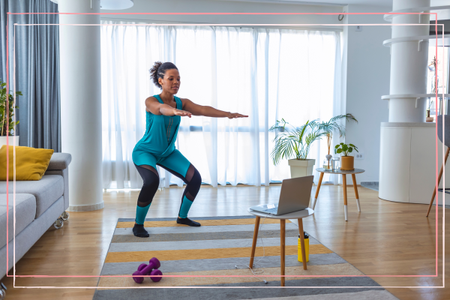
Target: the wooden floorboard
(386, 238)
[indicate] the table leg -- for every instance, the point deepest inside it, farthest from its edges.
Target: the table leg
(302, 242)
(439, 180)
(282, 243)
(356, 192)
(318, 189)
(344, 187)
(255, 238)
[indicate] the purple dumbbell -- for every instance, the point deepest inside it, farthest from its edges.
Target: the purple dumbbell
(141, 266)
(144, 269)
(153, 272)
(156, 272)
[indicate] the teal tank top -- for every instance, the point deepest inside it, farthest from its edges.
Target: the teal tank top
(161, 132)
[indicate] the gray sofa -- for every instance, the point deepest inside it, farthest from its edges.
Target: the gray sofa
(39, 205)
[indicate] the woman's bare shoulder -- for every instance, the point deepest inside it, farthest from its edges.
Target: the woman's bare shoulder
(151, 98)
(150, 103)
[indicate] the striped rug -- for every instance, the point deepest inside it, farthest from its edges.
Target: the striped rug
(219, 251)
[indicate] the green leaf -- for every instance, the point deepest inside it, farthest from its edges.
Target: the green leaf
(295, 141)
(5, 98)
(339, 151)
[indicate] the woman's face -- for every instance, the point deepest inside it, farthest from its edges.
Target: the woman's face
(171, 81)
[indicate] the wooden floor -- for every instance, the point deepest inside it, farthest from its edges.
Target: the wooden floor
(386, 238)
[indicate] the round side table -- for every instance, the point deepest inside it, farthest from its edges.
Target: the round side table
(344, 183)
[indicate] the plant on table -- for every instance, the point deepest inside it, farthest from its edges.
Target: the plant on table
(331, 126)
(345, 150)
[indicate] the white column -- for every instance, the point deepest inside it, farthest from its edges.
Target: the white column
(407, 146)
(81, 130)
(408, 64)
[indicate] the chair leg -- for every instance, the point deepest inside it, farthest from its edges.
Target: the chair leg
(439, 180)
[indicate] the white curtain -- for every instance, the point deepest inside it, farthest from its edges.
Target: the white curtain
(266, 73)
(339, 105)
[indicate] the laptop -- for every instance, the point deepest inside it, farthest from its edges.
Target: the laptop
(295, 195)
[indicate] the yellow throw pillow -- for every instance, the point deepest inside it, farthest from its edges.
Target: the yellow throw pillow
(31, 163)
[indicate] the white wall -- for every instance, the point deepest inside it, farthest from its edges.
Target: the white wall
(368, 75)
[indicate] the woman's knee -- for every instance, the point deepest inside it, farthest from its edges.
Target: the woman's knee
(193, 185)
(149, 175)
(196, 179)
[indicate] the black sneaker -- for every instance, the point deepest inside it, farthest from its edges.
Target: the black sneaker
(139, 231)
(189, 222)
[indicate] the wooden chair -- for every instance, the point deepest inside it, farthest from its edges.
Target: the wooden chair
(446, 141)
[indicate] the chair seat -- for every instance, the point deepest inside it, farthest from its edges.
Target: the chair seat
(445, 141)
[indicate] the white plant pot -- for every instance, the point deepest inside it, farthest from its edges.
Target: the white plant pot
(301, 167)
(13, 140)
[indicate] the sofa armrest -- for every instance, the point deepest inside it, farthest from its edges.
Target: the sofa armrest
(59, 161)
(59, 165)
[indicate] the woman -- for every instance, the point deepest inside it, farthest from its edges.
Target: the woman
(157, 147)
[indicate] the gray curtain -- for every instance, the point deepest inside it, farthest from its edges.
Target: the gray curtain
(37, 70)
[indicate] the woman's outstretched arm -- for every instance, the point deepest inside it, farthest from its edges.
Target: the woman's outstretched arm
(157, 108)
(208, 111)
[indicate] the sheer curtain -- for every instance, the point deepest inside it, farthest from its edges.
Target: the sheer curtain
(265, 73)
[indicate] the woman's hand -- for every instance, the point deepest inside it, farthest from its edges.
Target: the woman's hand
(181, 113)
(235, 116)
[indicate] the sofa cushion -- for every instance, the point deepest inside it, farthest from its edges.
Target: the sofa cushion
(29, 163)
(47, 190)
(25, 208)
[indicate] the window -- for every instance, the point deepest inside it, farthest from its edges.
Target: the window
(266, 73)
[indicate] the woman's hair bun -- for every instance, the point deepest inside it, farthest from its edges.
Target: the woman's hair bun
(153, 73)
(159, 69)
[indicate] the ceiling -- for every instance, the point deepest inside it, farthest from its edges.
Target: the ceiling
(345, 2)
(339, 2)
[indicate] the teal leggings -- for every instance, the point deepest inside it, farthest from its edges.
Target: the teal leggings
(176, 164)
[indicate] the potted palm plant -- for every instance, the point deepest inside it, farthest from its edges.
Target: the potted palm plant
(293, 143)
(347, 161)
(332, 126)
(7, 124)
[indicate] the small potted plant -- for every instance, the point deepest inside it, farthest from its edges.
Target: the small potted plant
(332, 125)
(6, 118)
(293, 143)
(347, 161)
